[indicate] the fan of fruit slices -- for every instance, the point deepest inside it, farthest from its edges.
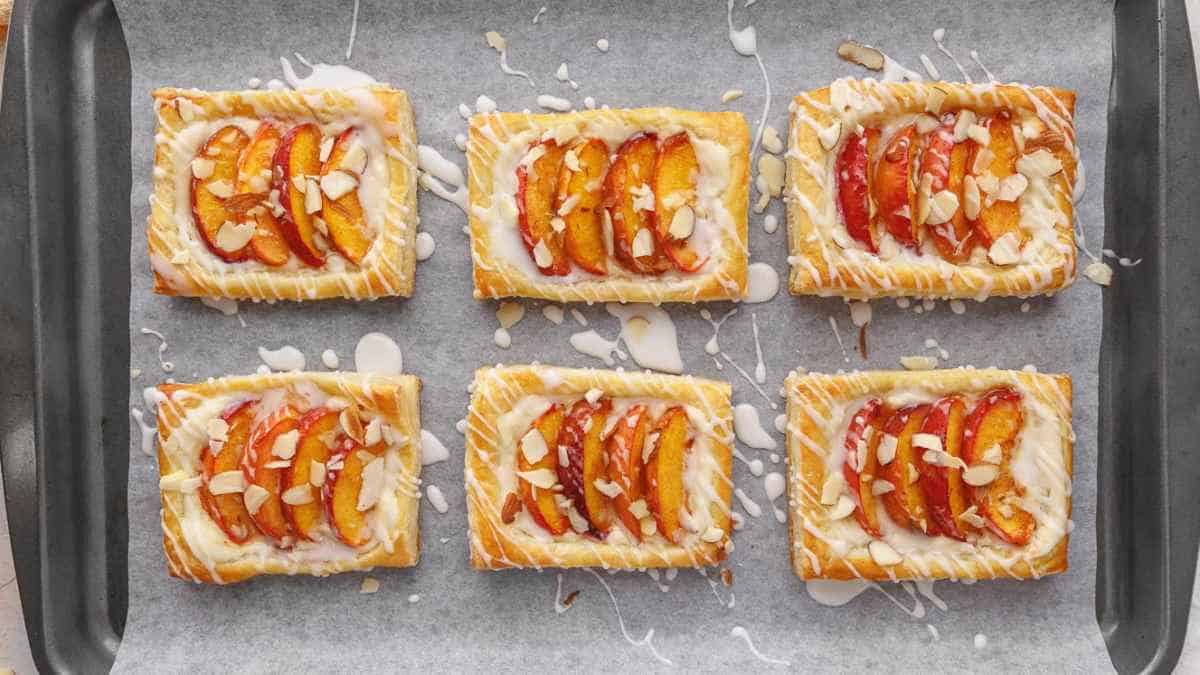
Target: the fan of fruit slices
(280, 192)
(584, 468)
(953, 179)
(274, 470)
(940, 468)
(582, 205)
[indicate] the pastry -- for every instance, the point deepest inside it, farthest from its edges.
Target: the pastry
(581, 468)
(942, 474)
(296, 473)
(284, 195)
(643, 205)
(932, 189)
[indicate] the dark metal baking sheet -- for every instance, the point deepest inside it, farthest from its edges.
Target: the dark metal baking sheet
(65, 119)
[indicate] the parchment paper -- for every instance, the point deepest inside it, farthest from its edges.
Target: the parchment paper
(671, 53)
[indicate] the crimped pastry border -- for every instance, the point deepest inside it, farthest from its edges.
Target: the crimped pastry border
(822, 267)
(396, 398)
(390, 264)
(495, 545)
(495, 278)
(811, 400)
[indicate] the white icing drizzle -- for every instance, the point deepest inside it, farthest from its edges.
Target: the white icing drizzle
(285, 358)
(745, 43)
(167, 366)
(538, 17)
(425, 246)
(762, 283)
(742, 633)
(324, 76)
(748, 429)
(774, 485)
(148, 432)
(713, 347)
(432, 450)
(501, 45)
(838, 334)
(589, 342)
(939, 35)
(226, 306)
(353, 31)
(647, 641)
(749, 505)
(753, 383)
(378, 354)
(760, 368)
(649, 334)
(330, 359)
(439, 175)
(436, 498)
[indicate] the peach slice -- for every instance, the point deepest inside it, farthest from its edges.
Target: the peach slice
(316, 427)
(344, 216)
(253, 182)
(624, 449)
(537, 185)
(996, 422)
(269, 517)
(627, 187)
(584, 236)
(582, 438)
(893, 188)
(999, 218)
(296, 161)
(343, 483)
(540, 503)
(228, 511)
(853, 185)
(675, 172)
(945, 162)
(665, 493)
(209, 209)
(862, 439)
(906, 503)
(945, 493)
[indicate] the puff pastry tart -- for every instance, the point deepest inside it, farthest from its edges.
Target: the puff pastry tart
(576, 468)
(283, 195)
(943, 474)
(641, 205)
(298, 473)
(931, 189)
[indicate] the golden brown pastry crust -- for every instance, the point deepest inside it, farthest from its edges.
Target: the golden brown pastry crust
(813, 398)
(496, 278)
(495, 545)
(388, 268)
(820, 266)
(395, 398)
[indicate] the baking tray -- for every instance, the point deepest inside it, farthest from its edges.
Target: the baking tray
(65, 118)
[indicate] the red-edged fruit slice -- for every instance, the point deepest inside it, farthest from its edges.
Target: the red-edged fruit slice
(945, 493)
(665, 493)
(999, 218)
(624, 448)
(537, 186)
(853, 188)
(894, 190)
(317, 426)
(208, 209)
(344, 216)
(675, 174)
(906, 503)
(582, 436)
(269, 517)
(254, 181)
(343, 484)
(299, 158)
(540, 502)
(631, 174)
(584, 235)
(995, 422)
(228, 510)
(862, 439)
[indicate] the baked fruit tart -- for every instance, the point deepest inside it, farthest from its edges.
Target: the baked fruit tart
(297, 473)
(641, 205)
(580, 468)
(943, 474)
(931, 189)
(283, 195)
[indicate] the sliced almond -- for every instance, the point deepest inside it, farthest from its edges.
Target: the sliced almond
(284, 446)
(300, 494)
(886, 451)
(773, 170)
(1041, 163)
(970, 198)
(830, 135)
(832, 489)
(971, 517)
(542, 255)
(218, 429)
(867, 57)
(1005, 250)
(578, 522)
(336, 184)
(1012, 187)
(923, 197)
(373, 434)
(643, 244)
(533, 446)
(326, 148)
(372, 484)
(202, 168)
(234, 236)
(355, 159)
(843, 508)
(731, 94)
(712, 535)
(593, 395)
(927, 123)
(512, 505)
(881, 487)
(539, 478)
(227, 482)
(254, 497)
(648, 526)
(979, 134)
(980, 474)
(771, 140)
(558, 224)
(916, 363)
(639, 509)
(934, 99)
(606, 488)
(683, 223)
(942, 206)
(316, 473)
(352, 424)
(993, 455)
(966, 118)
(883, 554)
(927, 441)
(312, 195)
